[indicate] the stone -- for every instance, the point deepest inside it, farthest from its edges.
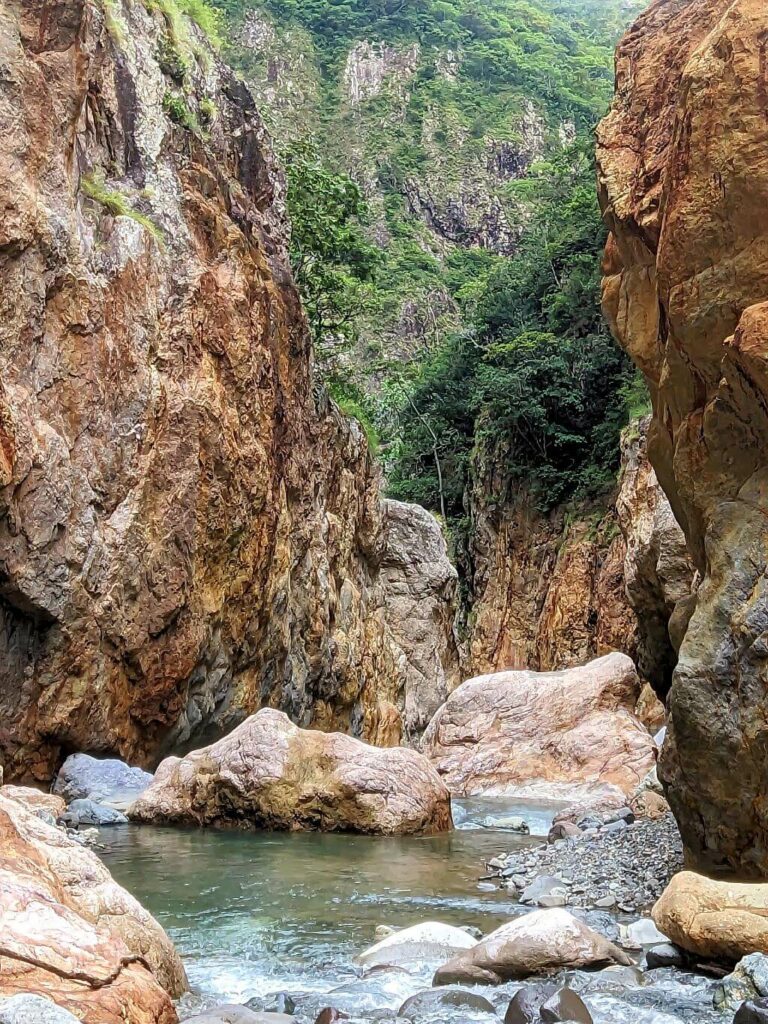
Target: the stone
(683, 180)
(106, 781)
(431, 940)
(269, 774)
(754, 1011)
(641, 933)
(542, 885)
(574, 731)
(748, 980)
(565, 1005)
(431, 1001)
(42, 804)
(72, 934)
(526, 1003)
(31, 1009)
(231, 1013)
(513, 823)
(714, 919)
(87, 812)
(665, 954)
(541, 942)
(330, 1016)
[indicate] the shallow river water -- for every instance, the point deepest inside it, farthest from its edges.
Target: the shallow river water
(257, 914)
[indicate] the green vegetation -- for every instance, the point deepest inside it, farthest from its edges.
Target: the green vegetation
(114, 21)
(177, 109)
(94, 186)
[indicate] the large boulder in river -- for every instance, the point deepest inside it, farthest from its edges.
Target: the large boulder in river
(723, 920)
(270, 774)
(105, 781)
(564, 733)
(430, 940)
(72, 934)
(541, 942)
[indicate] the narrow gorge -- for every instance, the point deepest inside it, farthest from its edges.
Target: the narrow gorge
(382, 543)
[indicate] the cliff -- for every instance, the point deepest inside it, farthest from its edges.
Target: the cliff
(683, 169)
(189, 530)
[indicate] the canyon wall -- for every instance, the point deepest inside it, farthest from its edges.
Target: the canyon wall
(189, 530)
(683, 172)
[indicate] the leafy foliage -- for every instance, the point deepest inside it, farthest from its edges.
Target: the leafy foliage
(94, 187)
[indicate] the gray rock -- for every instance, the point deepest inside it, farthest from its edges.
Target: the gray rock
(230, 1013)
(432, 1000)
(526, 1003)
(641, 933)
(747, 981)
(31, 1009)
(543, 885)
(754, 1011)
(614, 826)
(556, 898)
(88, 812)
(665, 955)
(107, 781)
(565, 1005)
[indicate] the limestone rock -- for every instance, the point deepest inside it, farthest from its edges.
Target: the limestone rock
(420, 594)
(573, 731)
(105, 781)
(431, 940)
(719, 919)
(683, 179)
(29, 1009)
(268, 773)
(72, 934)
(541, 942)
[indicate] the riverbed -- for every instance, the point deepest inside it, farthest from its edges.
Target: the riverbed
(256, 914)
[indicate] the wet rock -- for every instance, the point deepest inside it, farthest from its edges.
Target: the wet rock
(88, 812)
(71, 933)
(282, 1003)
(31, 1009)
(44, 805)
(514, 823)
(721, 920)
(565, 1005)
(640, 933)
(754, 1011)
(330, 1016)
(748, 981)
(544, 885)
(526, 1003)
(431, 1001)
(268, 773)
(231, 1013)
(512, 729)
(666, 954)
(541, 942)
(108, 781)
(431, 940)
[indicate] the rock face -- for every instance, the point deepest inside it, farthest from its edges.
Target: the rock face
(269, 774)
(541, 942)
(188, 529)
(72, 934)
(684, 181)
(573, 732)
(420, 586)
(719, 919)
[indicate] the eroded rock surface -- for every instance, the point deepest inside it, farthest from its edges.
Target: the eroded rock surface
(189, 530)
(683, 171)
(72, 934)
(573, 732)
(270, 774)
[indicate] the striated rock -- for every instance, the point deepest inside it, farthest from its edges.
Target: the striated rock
(719, 919)
(420, 588)
(72, 934)
(270, 774)
(431, 940)
(35, 801)
(572, 732)
(189, 529)
(541, 942)
(684, 183)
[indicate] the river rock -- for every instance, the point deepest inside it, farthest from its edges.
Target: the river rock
(718, 919)
(541, 942)
(431, 1001)
(29, 1009)
(431, 940)
(747, 981)
(542, 886)
(526, 1003)
(44, 805)
(107, 781)
(754, 1011)
(270, 774)
(666, 954)
(232, 1013)
(640, 933)
(565, 1005)
(88, 812)
(573, 731)
(71, 933)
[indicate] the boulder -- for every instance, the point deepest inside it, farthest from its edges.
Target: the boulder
(29, 1009)
(45, 804)
(754, 1011)
(640, 933)
(541, 942)
(565, 1005)
(431, 940)
(71, 933)
(88, 812)
(431, 1001)
(571, 733)
(542, 885)
(722, 920)
(748, 980)
(232, 1013)
(270, 774)
(106, 781)
(665, 955)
